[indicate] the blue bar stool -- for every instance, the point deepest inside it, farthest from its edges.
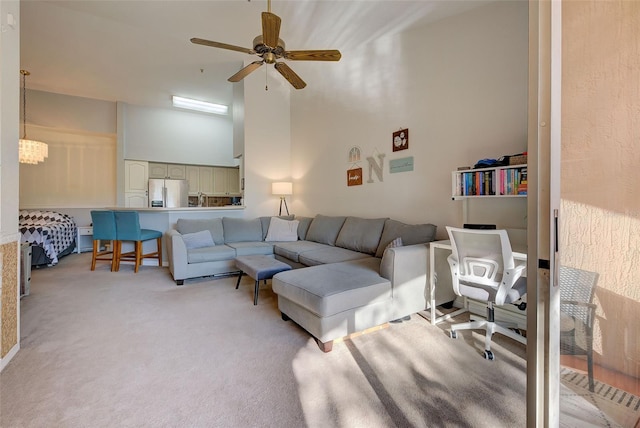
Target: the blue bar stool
(128, 229)
(104, 229)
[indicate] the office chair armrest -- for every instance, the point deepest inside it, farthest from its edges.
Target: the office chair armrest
(513, 277)
(577, 303)
(589, 307)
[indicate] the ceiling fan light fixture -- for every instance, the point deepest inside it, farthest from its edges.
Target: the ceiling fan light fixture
(270, 48)
(203, 106)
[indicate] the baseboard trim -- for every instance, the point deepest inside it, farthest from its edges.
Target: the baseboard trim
(7, 358)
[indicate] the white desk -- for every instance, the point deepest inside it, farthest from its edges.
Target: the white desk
(518, 254)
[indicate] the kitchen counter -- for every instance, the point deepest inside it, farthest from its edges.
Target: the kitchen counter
(178, 209)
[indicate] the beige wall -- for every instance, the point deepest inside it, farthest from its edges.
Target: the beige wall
(600, 211)
(9, 237)
(267, 141)
(459, 86)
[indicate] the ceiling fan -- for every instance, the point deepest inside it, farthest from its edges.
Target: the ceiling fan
(271, 48)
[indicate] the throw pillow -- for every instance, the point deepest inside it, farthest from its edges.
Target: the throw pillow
(198, 240)
(282, 230)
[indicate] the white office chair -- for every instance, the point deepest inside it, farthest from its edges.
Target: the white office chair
(483, 268)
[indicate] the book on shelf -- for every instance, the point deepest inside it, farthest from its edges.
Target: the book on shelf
(491, 182)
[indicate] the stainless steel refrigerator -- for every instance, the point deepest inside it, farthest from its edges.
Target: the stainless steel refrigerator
(166, 193)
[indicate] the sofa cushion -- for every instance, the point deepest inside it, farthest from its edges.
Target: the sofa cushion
(327, 290)
(213, 225)
(198, 240)
(326, 255)
(361, 234)
(211, 254)
(292, 250)
(410, 233)
(282, 230)
(266, 221)
(303, 227)
(241, 230)
(251, 248)
(325, 229)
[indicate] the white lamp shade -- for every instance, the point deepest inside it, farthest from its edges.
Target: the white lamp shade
(282, 188)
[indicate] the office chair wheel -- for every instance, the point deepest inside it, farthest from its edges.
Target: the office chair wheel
(522, 306)
(488, 355)
(453, 334)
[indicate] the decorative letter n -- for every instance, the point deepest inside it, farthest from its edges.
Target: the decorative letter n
(373, 166)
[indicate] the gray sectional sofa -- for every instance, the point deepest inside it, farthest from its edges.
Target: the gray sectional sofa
(231, 237)
(346, 276)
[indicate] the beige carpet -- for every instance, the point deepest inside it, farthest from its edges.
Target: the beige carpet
(103, 349)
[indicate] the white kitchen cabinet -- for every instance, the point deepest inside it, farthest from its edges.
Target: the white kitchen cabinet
(233, 183)
(226, 181)
(136, 176)
(157, 170)
(193, 177)
(205, 179)
(176, 172)
(136, 199)
(219, 181)
(167, 170)
(136, 182)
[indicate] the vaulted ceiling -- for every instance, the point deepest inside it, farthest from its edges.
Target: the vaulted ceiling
(139, 51)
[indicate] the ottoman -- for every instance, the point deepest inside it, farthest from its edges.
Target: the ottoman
(333, 300)
(259, 268)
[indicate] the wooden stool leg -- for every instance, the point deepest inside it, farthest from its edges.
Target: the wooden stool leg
(113, 255)
(117, 248)
(159, 251)
(95, 254)
(138, 254)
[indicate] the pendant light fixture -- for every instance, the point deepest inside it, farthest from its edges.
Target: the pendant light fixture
(29, 151)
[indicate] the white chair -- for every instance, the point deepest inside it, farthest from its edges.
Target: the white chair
(577, 314)
(483, 268)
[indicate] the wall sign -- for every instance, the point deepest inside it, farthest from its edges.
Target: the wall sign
(401, 165)
(354, 177)
(354, 154)
(400, 140)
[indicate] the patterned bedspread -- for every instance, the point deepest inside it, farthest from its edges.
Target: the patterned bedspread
(52, 231)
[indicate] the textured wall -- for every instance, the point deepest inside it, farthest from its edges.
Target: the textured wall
(10, 299)
(600, 229)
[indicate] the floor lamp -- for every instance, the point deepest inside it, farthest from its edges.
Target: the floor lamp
(282, 189)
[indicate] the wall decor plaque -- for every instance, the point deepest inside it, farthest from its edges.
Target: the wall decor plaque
(354, 177)
(401, 165)
(400, 140)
